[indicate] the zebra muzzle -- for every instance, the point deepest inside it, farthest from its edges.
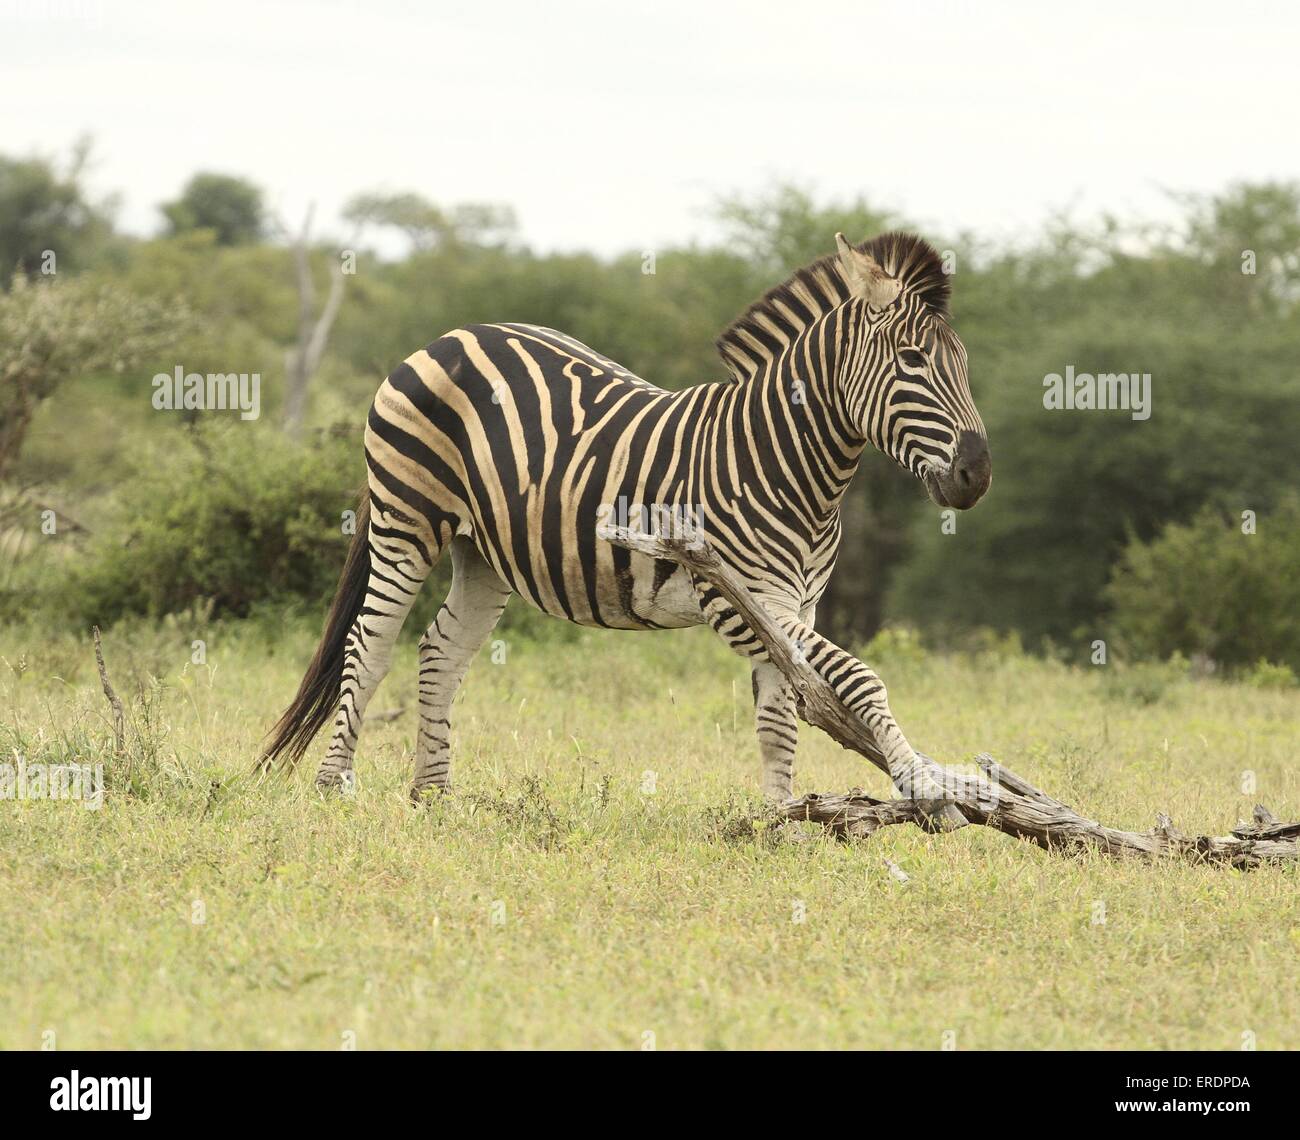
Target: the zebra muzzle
(965, 480)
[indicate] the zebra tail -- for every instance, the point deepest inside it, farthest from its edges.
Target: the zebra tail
(318, 695)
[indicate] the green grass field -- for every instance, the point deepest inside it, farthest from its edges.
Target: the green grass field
(595, 879)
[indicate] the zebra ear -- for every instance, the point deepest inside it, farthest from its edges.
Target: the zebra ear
(864, 276)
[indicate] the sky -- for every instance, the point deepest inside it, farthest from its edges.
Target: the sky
(618, 125)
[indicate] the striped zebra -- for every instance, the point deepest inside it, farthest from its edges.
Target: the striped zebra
(512, 446)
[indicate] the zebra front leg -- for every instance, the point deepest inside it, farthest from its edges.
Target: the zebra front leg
(778, 729)
(457, 633)
(856, 685)
(862, 691)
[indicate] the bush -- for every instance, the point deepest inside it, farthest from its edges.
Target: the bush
(1207, 588)
(1265, 675)
(1143, 683)
(895, 646)
(230, 515)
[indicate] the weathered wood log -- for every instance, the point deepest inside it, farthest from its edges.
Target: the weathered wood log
(995, 797)
(856, 815)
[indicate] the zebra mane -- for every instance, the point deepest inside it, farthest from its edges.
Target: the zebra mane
(761, 331)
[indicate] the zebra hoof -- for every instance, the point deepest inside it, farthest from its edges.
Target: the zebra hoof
(924, 784)
(941, 818)
(344, 783)
(422, 793)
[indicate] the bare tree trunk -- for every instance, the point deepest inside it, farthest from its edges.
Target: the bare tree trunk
(995, 797)
(18, 411)
(313, 329)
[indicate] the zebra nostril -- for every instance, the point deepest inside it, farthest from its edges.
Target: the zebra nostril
(970, 471)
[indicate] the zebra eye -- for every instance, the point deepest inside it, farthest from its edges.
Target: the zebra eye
(912, 359)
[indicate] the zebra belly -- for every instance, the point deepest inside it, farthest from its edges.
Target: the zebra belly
(637, 598)
(671, 605)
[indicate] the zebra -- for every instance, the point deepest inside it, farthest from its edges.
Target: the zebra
(509, 444)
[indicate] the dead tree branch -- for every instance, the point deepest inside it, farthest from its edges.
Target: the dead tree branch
(119, 717)
(313, 328)
(995, 797)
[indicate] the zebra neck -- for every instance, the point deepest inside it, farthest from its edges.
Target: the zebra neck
(801, 428)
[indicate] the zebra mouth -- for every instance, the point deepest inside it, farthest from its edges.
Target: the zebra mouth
(962, 483)
(934, 488)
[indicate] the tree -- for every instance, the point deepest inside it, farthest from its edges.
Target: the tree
(44, 211)
(1252, 233)
(786, 228)
(231, 207)
(53, 330)
(1072, 488)
(427, 226)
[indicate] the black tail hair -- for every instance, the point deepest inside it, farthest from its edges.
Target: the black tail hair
(318, 695)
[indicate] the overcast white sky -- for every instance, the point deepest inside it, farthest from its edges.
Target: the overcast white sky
(613, 125)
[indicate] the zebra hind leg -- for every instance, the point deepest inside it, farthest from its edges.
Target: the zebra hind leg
(397, 571)
(775, 718)
(457, 633)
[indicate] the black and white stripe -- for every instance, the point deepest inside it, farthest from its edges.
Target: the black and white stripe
(510, 444)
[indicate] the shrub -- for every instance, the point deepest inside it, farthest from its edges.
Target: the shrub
(1143, 683)
(1206, 588)
(895, 646)
(230, 515)
(1265, 675)
(991, 645)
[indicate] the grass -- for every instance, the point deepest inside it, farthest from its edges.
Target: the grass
(596, 880)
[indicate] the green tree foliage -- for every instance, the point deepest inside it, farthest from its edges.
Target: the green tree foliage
(1207, 307)
(226, 514)
(230, 207)
(1071, 487)
(53, 329)
(786, 228)
(661, 324)
(45, 210)
(1252, 234)
(1209, 588)
(244, 294)
(426, 225)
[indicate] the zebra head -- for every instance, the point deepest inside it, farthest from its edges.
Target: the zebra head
(906, 383)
